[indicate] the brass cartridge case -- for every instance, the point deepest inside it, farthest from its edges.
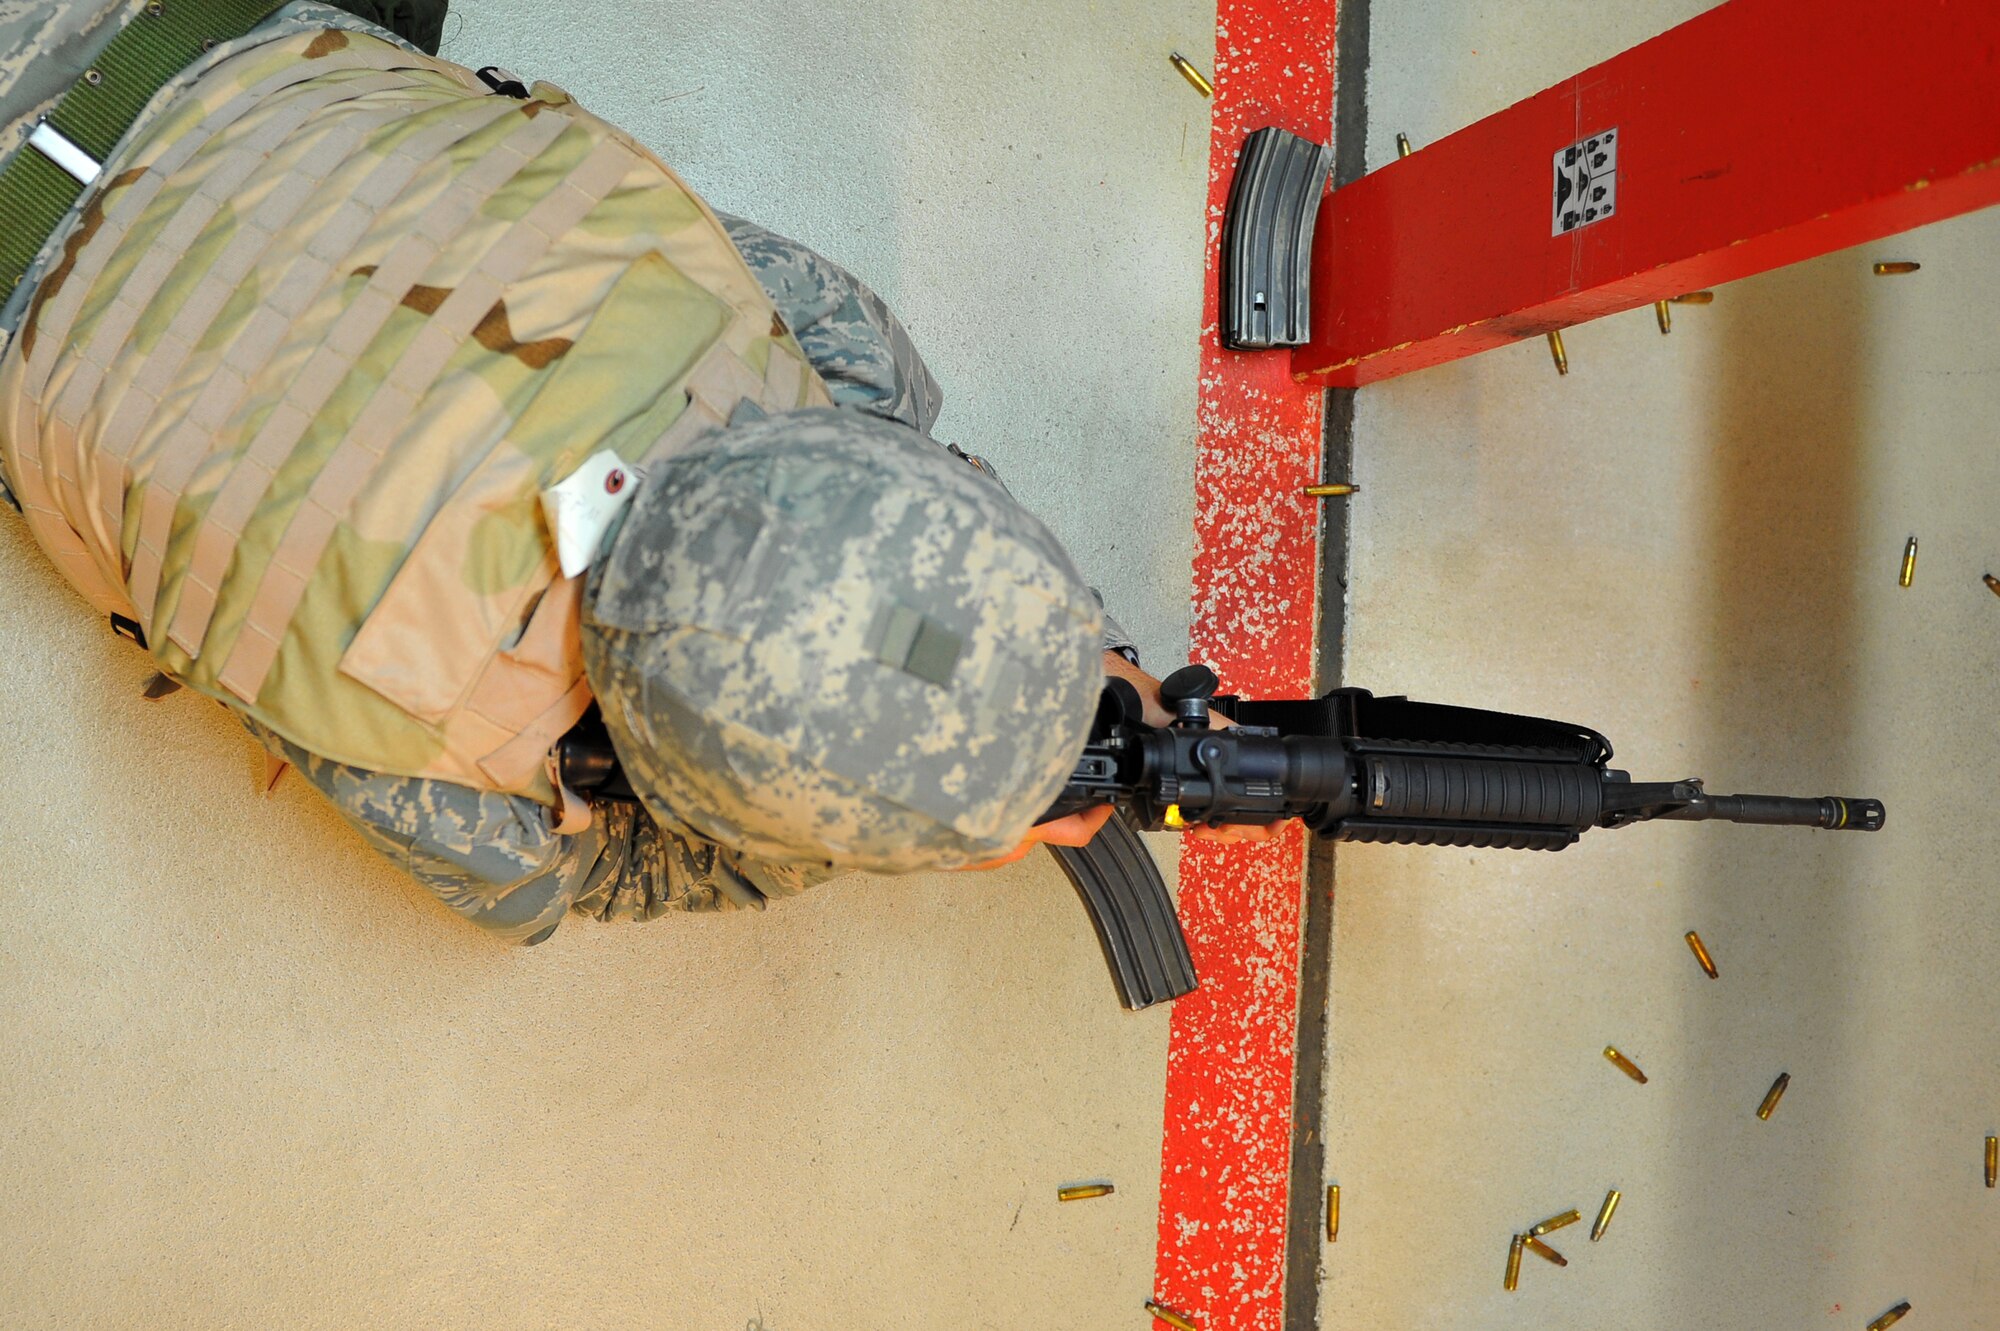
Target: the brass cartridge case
(1555, 1222)
(1603, 1222)
(1896, 268)
(1332, 1212)
(1695, 298)
(1909, 564)
(1078, 1192)
(1402, 145)
(1624, 1064)
(1665, 317)
(1332, 491)
(1514, 1263)
(1180, 1321)
(1992, 1161)
(1556, 350)
(1196, 79)
(1890, 1318)
(1701, 953)
(1772, 1096)
(1543, 1250)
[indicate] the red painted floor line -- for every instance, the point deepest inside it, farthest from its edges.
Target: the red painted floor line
(1232, 1043)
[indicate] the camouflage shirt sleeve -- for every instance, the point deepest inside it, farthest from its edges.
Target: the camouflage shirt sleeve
(496, 860)
(853, 339)
(859, 347)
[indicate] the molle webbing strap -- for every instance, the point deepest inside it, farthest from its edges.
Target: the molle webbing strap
(302, 283)
(252, 237)
(159, 42)
(123, 209)
(719, 381)
(381, 422)
(97, 569)
(328, 366)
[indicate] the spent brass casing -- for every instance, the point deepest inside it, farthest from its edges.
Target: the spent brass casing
(1701, 953)
(1556, 350)
(1890, 1318)
(1195, 77)
(1992, 1161)
(1909, 564)
(1665, 317)
(1604, 1214)
(1078, 1192)
(1555, 1222)
(1772, 1096)
(1402, 145)
(1332, 1212)
(1179, 1320)
(1543, 1250)
(1332, 491)
(1624, 1064)
(1992, 583)
(1514, 1263)
(1896, 268)
(1695, 298)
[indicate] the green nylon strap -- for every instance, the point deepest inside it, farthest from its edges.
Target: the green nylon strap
(35, 193)
(161, 40)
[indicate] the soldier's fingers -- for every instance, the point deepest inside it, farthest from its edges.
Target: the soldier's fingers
(1074, 830)
(1019, 852)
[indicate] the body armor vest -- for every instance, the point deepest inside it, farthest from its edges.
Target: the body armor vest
(290, 394)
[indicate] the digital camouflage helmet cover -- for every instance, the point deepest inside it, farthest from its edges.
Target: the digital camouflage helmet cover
(819, 637)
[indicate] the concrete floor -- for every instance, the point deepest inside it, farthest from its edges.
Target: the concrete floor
(254, 1077)
(1690, 543)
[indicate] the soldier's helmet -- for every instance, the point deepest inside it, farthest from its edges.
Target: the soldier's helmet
(819, 637)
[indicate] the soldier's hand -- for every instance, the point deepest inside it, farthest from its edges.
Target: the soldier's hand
(1078, 828)
(1074, 829)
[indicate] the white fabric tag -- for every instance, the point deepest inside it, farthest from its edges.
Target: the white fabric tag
(580, 508)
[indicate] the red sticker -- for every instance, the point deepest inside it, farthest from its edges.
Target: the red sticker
(614, 482)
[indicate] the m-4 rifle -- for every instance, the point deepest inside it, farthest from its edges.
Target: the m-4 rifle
(1351, 767)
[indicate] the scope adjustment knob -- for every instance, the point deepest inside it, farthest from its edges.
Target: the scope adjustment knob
(1192, 681)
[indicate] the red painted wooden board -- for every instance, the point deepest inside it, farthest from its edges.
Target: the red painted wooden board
(1230, 1058)
(1757, 134)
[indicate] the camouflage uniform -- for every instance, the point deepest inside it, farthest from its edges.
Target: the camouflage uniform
(491, 857)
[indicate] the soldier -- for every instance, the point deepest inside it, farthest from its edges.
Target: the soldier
(307, 321)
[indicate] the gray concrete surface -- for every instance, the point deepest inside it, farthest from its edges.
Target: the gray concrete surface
(1690, 543)
(254, 1078)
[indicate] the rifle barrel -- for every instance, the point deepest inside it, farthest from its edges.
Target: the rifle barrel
(1832, 812)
